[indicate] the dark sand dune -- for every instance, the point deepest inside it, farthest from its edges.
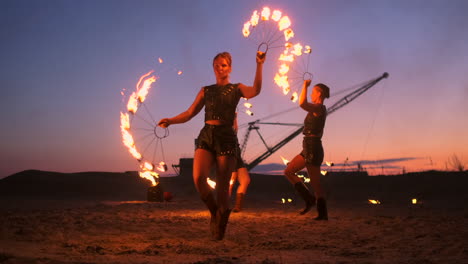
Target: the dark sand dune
(99, 217)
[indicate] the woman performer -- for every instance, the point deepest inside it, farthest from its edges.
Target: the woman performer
(217, 141)
(311, 156)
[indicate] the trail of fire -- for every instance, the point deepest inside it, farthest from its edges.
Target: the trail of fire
(143, 86)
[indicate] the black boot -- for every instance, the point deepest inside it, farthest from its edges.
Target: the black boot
(239, 202)
(321, 209)
(306, 195)
(222, 218)
(210, 202)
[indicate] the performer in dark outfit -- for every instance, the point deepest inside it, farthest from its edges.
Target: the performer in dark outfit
(217, 141)
(311, 156)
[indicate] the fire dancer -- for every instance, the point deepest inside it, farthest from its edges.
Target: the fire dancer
(311, 156)
(217, 141)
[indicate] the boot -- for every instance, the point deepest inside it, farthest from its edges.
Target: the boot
(222, 218)
(321, 209)
(239, 202)
(306, 196)
(210, 202)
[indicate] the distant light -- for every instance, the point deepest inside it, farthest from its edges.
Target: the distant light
(414, 201)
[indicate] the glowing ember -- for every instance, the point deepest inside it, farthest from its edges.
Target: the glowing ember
(329, 163)
(160, 60)
(324, 172)
(288, 34)
(294, 97)
(285, 161)
(179, 73)
(248, 105)
(266, 13)
(254, 19)
(284, 23)
(246, 29)
(414, 201)
(297, 49)
(162, 167)
(150, 175)
(211, 183)
(286, 57)
(250, 113)
(276, 16)
(281, 81)
(284, 68)
(374, 201)
(307, 49)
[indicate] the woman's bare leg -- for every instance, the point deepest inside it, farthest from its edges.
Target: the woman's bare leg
(244, 180)
(295, 165)
(225, 167)
(202, 164)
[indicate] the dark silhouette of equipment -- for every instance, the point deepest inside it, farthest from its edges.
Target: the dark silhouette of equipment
(270, 150)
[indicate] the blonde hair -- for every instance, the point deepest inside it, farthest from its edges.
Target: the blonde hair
(225, 55)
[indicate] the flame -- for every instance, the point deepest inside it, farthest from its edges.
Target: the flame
(248, 105)
(324, 172)
(284, 23)
(294, 97)
(286, 57)
(276, 16)
(374, 201)
(147, 166)
(329, 163)
(138, 96)
(127, 138)
(266, 13)
(246, 29)
(297, 49)
(150, 175)
(284, 69)
(282, 81)
(250, 113)
(211, 183)
(286, 90)
(288, 34)
(162, 167)
(160, 60)
(308, 49)
(254, 19)
(285, 161)
(414, 201)
(179, 73)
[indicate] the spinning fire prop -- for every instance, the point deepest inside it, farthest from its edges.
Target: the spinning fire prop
(133, 120)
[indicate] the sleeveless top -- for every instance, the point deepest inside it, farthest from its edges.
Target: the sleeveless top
(221, 102)
(313, 125)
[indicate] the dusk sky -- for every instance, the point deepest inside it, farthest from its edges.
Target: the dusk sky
(64, 65)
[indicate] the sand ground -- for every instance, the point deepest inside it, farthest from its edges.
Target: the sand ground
(67, 231)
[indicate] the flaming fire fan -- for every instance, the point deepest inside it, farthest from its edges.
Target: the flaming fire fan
(140, 133)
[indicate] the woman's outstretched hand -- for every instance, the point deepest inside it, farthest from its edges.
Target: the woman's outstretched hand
(307, 83)
(164, 122)
(261, 56)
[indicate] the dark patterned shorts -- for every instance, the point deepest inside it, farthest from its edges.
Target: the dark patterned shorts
(312, 151)
(219, 140)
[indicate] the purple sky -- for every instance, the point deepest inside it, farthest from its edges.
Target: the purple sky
(64, 65)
